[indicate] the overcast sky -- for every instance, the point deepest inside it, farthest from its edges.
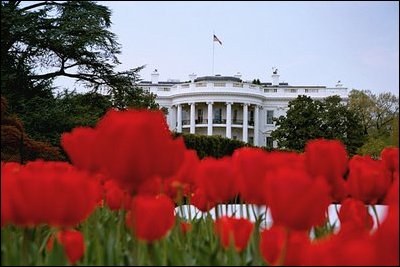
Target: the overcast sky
(311, 43)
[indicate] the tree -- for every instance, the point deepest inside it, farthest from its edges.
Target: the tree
(49, 39)
(301, 123)
(379, 116)
(377, 112)
(309, 119)
(17, 145)
(46, 119)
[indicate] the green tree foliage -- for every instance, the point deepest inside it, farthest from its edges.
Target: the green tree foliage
(17, 145)
(46, 40)
(376, 111)
(309, 119)
(41, 41)
(256, 81)
(380, 119)
(302, 123)
(47, 118)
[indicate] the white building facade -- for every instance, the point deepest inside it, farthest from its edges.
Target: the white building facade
(230, 107)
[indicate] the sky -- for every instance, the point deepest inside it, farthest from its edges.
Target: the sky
(311, 43)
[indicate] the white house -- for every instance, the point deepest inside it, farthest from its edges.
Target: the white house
(228, 106)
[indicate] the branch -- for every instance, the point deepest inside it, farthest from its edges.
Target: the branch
(40, 4)
(35, 5)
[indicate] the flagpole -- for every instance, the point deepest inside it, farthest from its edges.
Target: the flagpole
(213, 55)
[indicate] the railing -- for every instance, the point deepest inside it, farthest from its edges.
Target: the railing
(219, 121)
(237, 121)
(219, 84)
(201, 84)
(201, 121)
(216, 121)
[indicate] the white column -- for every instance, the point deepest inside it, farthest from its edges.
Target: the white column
(179, 127)
(229, 119)
(172, 117)
(209, 118)
(245, 121)
(192, 116)
(256, 125)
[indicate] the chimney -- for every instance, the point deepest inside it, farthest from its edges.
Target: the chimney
(154, 77)
(275, 77)
(192, 77)
(238, 75)
(339, 84)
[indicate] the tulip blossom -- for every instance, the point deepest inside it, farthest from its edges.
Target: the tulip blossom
(328, 158)
(115, 197)
(251, 166)
(151, 217)
(273, 241)
(295, 200)
(354, 214)
(234, 231)
(73, 244)
(367, 181)
(217, 179)
(141, 148)
(200, 201)
(46, 192)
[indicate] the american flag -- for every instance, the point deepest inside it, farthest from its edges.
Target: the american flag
(217, 40)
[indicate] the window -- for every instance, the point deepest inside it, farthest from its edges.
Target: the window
(199, 116)
(218, 115)
(235, 112)
(269, 142)
(270, 90)
(251, 117)
(270, 115)
(251, 139)
(235, 137)
(290, 90)
(311, 90)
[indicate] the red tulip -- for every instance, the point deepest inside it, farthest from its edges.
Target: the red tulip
(115, 197)
(340, 251)
(81, 145)
(200, 201)
(386, 239)
(130, 147)
(185, 227)
(367, 181)
(235, 231)
(73, 244)
(328, 158)
(295, 200)
(390, 157)
(272, 243)
(354, 215)
(46, 192)
(217, 179)
(151, 217)
(251, 165)
(392, 197)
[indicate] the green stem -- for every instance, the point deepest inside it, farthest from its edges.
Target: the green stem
(216, 212)
(376, 215)
(337, 211)
(247, 211)
(282, 257)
